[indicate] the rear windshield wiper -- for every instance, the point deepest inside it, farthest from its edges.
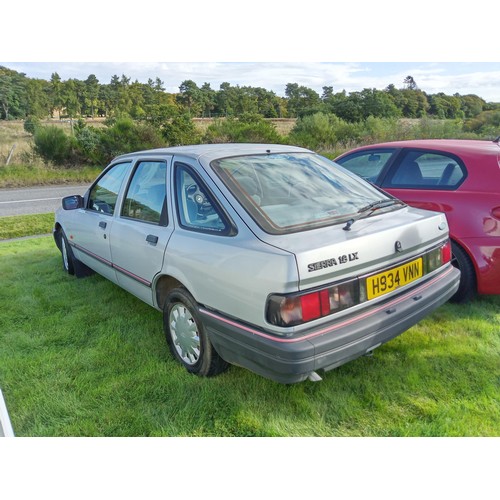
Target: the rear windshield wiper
(369, 209)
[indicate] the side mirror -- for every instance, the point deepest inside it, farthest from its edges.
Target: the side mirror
(72, 202)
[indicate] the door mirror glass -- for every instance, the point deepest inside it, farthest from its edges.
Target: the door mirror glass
(72, 202)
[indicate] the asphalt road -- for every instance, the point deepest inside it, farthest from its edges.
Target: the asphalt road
(35, 200)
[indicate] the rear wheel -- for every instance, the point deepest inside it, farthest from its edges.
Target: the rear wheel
(186, 335)
(467, 289)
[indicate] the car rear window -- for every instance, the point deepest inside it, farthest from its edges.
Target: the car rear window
(293, 192)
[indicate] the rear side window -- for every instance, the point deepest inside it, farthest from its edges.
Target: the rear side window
(145, 198)
(104, 193)
(427, 170)
(367, 164)
(197, 209)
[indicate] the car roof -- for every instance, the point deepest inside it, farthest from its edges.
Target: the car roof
(466, 146)
(213, 151)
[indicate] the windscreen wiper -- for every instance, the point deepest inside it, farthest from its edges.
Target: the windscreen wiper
(369, 209)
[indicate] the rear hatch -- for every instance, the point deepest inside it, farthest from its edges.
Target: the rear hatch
(372, 244)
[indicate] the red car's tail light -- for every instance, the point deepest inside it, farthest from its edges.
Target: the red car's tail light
(496, 212)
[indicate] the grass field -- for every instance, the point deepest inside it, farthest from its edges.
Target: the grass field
(17, 226)
(85, 358)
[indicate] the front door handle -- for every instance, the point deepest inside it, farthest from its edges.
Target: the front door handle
(151, 238)
(102, 224)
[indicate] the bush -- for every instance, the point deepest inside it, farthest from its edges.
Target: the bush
(324, 131)
(248, 128)
(53, 145)
(89, 140)
(486, 124)
(180, 131)
(123, 136)
(30, 124)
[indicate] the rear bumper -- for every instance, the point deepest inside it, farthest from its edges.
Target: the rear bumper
(293, 359)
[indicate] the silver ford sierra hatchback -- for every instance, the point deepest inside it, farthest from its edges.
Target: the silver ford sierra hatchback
(265, 256)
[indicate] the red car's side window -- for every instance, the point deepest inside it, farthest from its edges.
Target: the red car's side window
(367, 164)
(425, 169)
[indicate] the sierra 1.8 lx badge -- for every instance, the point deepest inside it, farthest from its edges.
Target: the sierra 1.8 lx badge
(341, 259)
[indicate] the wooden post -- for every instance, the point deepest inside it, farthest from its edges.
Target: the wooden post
(10, 154)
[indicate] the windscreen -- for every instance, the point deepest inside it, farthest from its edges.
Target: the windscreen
(293, 192)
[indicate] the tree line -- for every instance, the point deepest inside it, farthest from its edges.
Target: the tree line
(22, 97)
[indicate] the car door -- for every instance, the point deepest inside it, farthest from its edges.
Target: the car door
(91, 226)
(141, 232)
(426, 179)
(371, 164)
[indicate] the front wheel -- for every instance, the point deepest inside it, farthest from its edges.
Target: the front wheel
(186, 335)
(67, 254)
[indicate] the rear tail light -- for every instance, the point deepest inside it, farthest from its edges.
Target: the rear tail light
(290, 310)
(446, 253)
(496, 213)
(299, 308)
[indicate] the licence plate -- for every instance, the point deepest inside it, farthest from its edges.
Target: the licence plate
(386, 282)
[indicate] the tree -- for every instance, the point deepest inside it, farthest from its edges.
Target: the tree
(410, 83)
(191, 97)
(208, 99)
(378, 104)
(347, 107)
(138, 102)
(55, 93)
(301, 100)
(37, 98)
(444, 106)
(91, 94)
(327, 93)
(69, 97)
(471, 105)
(12, 94)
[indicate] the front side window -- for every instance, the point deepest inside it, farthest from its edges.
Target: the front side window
(145, 198)
(104, 193)
(427, 170)
(293, 192)
(367, 164)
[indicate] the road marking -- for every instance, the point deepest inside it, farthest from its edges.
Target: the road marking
(27, 201)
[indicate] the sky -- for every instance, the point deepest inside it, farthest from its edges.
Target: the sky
(482, 79)
(266, 43)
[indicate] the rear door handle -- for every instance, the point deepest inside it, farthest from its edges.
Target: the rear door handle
(151, 238)
(102, 224)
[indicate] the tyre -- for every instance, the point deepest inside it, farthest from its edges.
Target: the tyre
(68, 260)
(467, 289)
(186, 335)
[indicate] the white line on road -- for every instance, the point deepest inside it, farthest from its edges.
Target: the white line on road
(26, 201)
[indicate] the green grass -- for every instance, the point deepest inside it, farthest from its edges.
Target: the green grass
(85, 358)
(16, 226)
(39, 175)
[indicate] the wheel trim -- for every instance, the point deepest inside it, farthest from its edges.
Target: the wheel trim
(184, 333)
(65, 255)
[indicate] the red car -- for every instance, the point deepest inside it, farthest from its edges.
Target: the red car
(458, 177)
